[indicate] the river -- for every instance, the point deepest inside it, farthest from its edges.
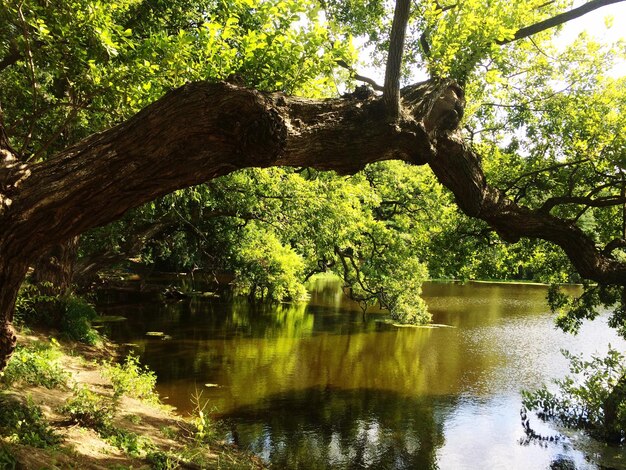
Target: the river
(320, 385)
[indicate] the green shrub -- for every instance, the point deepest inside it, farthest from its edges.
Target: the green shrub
(205, 427)
(24, 423)
(593, 398)
(28, 305)
(94, 411)
(132, 379)
(90, 409)
(71, 313)
(77, 318)
(127, 441)
(36, 365)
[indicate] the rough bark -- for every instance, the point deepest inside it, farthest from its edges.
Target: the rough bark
(54, 270)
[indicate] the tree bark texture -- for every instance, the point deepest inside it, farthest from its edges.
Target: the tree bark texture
(54, 270)
(202, 131)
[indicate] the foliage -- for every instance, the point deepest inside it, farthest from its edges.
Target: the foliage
(205, 429)
(76, 320)
(83, 66)
(266, 268)
(132, 379)
(36, 365)
(593, 398)
(128, 441)
(548, 122)
(25, 423)
(7, 460)
(90, 409)
(95, 411)
(28, 305)
(70, 313)
(162, 461)
(572, 311)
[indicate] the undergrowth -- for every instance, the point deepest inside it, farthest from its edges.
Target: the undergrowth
(24, 423)
(37, 364)
(132, 379)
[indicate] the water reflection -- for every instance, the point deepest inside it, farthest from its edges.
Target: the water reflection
(315, 386)
(344, 429)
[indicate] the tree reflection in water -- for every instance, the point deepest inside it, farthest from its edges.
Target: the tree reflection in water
(319, 428)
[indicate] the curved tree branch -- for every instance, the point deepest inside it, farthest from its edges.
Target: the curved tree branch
(457, 167)
(613, 245)
(558, 20)
(201, 131)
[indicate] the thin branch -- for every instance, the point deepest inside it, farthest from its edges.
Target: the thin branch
(358, 77)
(606, 201)
(543, 170)
(391, 92)
(558, 20)
(31, 67)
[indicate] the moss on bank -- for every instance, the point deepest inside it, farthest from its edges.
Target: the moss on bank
(64, 405)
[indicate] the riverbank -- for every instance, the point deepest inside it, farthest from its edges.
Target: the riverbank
(66, 405)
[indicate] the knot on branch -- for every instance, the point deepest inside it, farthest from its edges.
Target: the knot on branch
(256, 125)
(362, 92)
(446, 111)
(438, 103)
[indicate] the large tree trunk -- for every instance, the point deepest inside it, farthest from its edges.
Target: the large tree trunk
(201, 131)
(54, 270)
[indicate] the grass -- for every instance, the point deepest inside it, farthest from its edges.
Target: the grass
(7, 460)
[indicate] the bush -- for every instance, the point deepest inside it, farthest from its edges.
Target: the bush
(90, 409)
(36, 365)
(94, 411)
(132, 379)
(77, 318)
(24, 423)
(205, 430)
(71, 313)
(593, 399)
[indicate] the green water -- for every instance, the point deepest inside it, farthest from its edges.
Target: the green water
(317, 385)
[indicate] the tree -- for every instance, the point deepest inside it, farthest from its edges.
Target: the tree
(204, 130)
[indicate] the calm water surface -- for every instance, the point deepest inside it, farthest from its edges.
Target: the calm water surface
(319, 386)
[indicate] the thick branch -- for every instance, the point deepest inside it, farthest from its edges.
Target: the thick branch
(12, 57)
(457, 168)
(391, 93)
(197, 133)
(558, 20)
